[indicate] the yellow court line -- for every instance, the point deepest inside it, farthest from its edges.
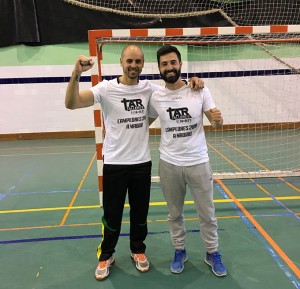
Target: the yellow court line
(153, 204)
(48, 227)
(77, 192)
(99, 223)
(197, 219)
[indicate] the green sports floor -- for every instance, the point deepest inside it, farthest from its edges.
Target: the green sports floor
(50, 226)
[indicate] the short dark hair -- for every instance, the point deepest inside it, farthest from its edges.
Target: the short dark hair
(167, 49)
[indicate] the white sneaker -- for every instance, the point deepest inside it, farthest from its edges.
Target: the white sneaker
(141, 262)
(102, 270)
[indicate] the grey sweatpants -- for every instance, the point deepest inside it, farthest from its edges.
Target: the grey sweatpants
(174, 181)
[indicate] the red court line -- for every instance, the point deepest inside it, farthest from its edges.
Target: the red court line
(268, 238)
(63, 221)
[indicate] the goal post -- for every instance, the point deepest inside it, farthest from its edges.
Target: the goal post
(253, 73)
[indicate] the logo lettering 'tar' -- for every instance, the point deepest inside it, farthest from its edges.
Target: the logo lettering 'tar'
(178, 113)
(132, 104)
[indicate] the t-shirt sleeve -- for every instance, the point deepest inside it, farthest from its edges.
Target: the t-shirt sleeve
(208, 102)
(99, 90)
(155, 87)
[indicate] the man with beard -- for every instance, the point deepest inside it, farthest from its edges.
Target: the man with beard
(126, 154)
(184, 158)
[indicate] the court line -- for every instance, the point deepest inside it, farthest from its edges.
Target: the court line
(128, 222)
(45, 154)
(276, 200)
(245, 155)
(153, 204)
(281, 253)
(224, 157)
(261, 181)
(268, 238)
(255, 232)
(76, 237)
(19, 181)
(77, 191)
(259, 164)
(47, 192)
(252, 180)
(155, 186)
(47, 147)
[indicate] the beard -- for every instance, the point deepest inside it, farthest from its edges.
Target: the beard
(173, 78)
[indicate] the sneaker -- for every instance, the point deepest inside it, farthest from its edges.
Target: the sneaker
(177, 264)
(214, 261)
(141, 262)
(102, 270)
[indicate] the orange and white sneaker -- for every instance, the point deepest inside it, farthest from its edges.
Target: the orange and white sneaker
(141, 262)
(102, 270)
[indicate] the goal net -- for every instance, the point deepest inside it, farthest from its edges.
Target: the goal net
(237, 12)
(254, 77)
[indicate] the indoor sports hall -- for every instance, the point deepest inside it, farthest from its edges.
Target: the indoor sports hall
(247, 53)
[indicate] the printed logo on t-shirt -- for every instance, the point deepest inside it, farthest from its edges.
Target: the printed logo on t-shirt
(179, 113)
(137, 109)
(133, 104)
(182, 117)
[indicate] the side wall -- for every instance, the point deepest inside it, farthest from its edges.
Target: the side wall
(32, 89)
(33, 82)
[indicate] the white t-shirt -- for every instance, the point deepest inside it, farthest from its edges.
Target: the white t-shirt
(180, 112)
(124, 109)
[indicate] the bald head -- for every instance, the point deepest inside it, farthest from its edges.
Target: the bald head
(132, 50)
